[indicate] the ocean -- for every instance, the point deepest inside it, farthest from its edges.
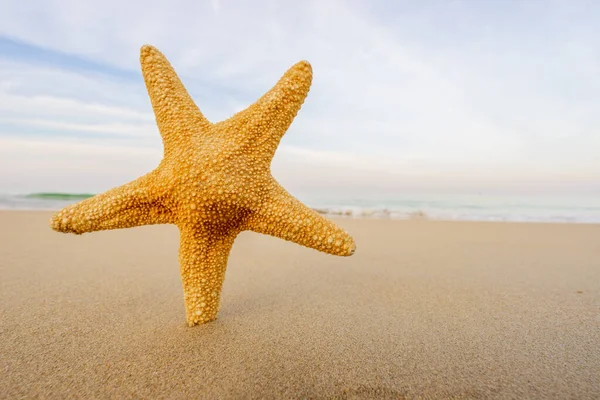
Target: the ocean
(465, 208)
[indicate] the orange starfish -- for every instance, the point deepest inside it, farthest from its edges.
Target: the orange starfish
(213, 182)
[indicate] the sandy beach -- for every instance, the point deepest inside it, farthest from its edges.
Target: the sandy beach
(424, 309)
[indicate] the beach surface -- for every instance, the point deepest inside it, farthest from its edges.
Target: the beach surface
(424, 309)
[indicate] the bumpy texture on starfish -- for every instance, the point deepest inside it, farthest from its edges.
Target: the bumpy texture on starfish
(213, 182)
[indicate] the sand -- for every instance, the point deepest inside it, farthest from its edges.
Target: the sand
(422, 310)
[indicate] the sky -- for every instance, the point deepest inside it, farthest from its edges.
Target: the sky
(479, 96)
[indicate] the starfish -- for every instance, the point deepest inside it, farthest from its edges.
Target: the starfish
(213, 182)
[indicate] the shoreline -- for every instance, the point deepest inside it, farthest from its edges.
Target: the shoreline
(580, 209)
(369, 218)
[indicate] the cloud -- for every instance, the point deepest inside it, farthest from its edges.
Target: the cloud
(463, 91)
(58, 164)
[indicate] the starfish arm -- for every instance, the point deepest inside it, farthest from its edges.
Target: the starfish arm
(263, 124)
(203, 254)
(285, 217)
(177, 116)
(130, 205)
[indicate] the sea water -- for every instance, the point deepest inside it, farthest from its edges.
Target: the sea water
(574, 209)
(39, 201)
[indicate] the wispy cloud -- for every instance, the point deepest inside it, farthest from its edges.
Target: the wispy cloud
(431, 92)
